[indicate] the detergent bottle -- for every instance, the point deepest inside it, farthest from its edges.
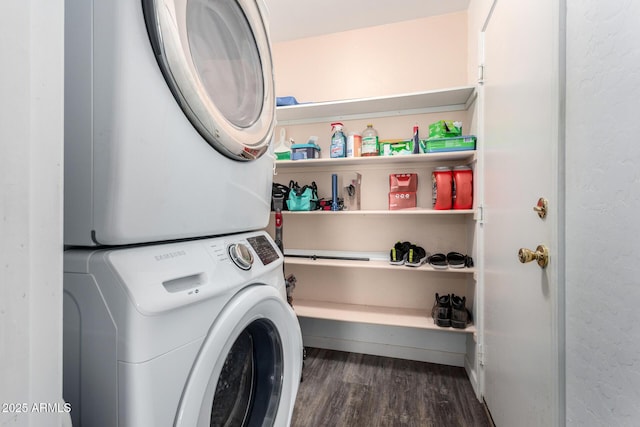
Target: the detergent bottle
(338, 146)
(282, 151)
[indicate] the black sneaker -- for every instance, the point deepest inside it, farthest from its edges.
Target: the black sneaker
(398, 254)
(459, 314)
(441, 312)
(416, 256)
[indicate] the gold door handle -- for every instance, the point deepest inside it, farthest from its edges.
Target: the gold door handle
(541, 255)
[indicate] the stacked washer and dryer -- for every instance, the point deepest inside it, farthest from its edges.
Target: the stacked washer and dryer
(175, 311)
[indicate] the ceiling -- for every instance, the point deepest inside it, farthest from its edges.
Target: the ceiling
(295, 19)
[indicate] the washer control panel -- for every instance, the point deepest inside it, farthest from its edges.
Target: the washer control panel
(166, 276)
(241, 255)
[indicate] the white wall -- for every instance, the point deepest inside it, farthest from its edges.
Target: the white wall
(603, 200)
(31, 141)
(374, 61)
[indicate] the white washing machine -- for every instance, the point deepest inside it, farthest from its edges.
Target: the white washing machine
(193, 333)
(169, 108)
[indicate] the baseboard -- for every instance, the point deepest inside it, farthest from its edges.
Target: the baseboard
(377, 349)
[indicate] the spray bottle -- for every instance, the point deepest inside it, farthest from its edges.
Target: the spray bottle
(338, 141)
(416, 140)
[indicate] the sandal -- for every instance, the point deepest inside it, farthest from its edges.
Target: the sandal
(416, 256)
(438, 261)
(398, 254)
(457, 260)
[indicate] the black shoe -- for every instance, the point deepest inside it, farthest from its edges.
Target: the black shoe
(438, 261)
(459, 314)
(457, 260)
(398, 254)
(441, 312)
(416, 256)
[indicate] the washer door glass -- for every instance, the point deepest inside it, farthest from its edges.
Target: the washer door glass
(247, 392)
(216, 59)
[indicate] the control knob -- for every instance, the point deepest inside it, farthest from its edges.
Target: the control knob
(241, 255)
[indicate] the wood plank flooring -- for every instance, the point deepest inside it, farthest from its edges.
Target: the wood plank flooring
(356, 390)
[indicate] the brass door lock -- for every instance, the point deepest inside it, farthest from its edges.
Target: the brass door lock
(541, 207)
(541, 255)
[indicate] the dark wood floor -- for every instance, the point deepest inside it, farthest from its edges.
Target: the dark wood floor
(352, 390)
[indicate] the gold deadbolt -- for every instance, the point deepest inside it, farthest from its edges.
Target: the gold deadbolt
(541, 255)
(541, 207)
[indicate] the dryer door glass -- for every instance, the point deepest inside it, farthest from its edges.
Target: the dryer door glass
(226, 58)
(249, 387)
(216, 59)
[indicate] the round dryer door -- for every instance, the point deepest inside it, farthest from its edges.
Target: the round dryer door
(216, 58)
(248, 369)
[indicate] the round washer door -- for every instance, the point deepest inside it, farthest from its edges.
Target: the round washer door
(248, 370)
(216, 58)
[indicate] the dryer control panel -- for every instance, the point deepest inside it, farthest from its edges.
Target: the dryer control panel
(264, 249)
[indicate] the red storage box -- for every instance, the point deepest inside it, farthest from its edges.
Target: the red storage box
(403, 182)
(402, 200)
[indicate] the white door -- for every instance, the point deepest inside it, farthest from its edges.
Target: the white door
(521, 100)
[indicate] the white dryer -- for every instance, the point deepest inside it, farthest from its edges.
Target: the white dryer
(193, 333)
(169, 108)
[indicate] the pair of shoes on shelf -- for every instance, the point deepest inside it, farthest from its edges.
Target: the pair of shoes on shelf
(406, 253)
(441, 261)
(451, 311)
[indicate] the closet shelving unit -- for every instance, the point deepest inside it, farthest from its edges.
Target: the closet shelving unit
(456, 99)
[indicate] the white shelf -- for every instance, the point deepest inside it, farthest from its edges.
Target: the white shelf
(453, 99)
(373, 264)
(388, 316)
(468, 156)
(410, 211)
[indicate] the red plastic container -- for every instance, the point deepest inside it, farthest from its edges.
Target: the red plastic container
(442, 178)
(462, 187)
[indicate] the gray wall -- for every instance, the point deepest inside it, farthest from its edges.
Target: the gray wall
(603, 201)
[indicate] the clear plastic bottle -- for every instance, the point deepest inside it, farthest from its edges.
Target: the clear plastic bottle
(370, 146)
(338, 141)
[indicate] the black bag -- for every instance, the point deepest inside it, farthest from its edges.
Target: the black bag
(279, 195)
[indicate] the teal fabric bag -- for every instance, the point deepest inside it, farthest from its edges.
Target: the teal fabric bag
(302, 198)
